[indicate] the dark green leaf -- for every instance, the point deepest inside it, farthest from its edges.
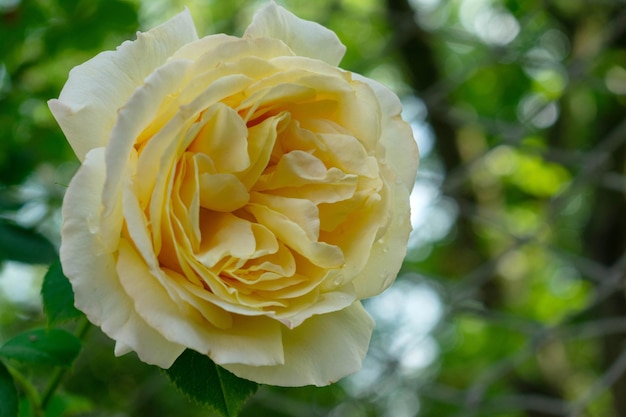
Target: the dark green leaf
(201, 379)
(64, 405)
(9, 200)
(58, 296)
(44, 347)
(8, 394)
(18, 243)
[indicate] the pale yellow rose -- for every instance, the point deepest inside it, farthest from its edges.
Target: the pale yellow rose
(237, 196)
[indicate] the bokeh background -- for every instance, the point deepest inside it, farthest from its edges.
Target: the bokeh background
(511, 301)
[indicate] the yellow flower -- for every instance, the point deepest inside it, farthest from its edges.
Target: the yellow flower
(237, 196)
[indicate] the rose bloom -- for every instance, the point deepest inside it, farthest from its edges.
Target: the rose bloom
(236, 196)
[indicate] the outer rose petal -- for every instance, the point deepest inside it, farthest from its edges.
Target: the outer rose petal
(87, 106)
(400, 150)
(377, 275)
(320, 351)
(91, 269)
(395, 133)
(304, 37)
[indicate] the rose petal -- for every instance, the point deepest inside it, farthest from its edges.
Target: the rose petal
(396, 134)
(225, 234)
(304, 37)
(222, 192)
(158, 157)
(257, 339)
(87, 107)
(326, 303)
(376, 276)
(261, 140)
(291, 234)
(302, 212)
(319, 352)
(357, 233)
(223, 136)
(91, 269)
(301, 175)
(133, 118)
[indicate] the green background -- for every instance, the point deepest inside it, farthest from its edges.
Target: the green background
(511, 300)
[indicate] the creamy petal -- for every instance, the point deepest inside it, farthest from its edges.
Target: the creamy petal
(223, 136)
(91, 269)
(320, 351)
(357, 233)
(87, 106)
(291, 234)
(396, 135)
(377, 274)
(225, 234)
(257, 339)
(261, 140)
(304, 37)
(300, 211)
(158, 158)
(134, 117)
(326, 303)
(222, 192)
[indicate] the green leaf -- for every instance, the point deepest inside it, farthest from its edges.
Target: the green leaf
(18, 243)
(44, 347)
(8, 394)
(58, 296)
(198, 377)
(64, 405)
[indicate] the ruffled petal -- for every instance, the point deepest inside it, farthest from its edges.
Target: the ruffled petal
(396, 135)
(87, 106)
(90, 268)
(133, 118)
(304, 37)
(391, 247)
(257, 338)
(320, 351)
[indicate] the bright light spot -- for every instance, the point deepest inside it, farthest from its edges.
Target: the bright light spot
(541, 64)
(492, 25)
(410, 311)
(405, 314)
(425, 4)
(8, 4)
(420, 355)
(432, 215)
(496, 27)
(469, 11)
(408, 305)
(421, 199)
(20, 283)
(414, 111)
(534, 108)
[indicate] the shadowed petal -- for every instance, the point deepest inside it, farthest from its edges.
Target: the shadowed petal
(91, 269)
(320, 351)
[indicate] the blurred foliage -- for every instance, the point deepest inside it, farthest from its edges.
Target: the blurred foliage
(511, 300)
